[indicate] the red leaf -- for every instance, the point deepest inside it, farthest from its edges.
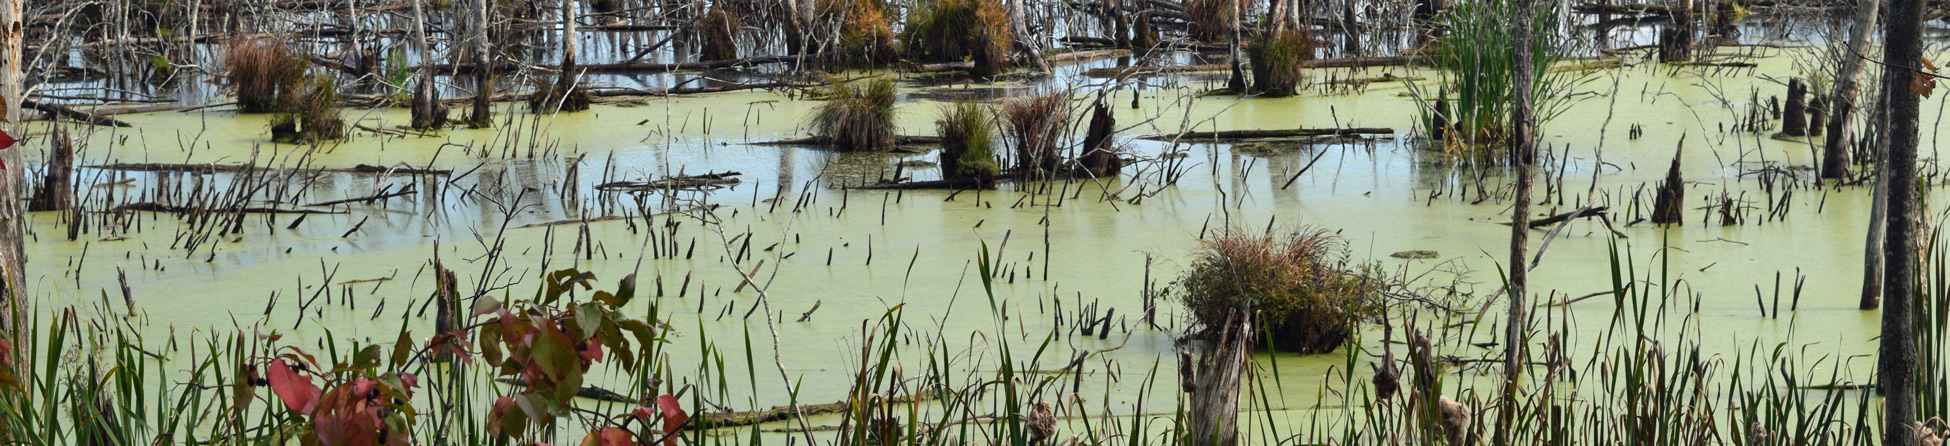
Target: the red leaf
(591, 350)
(297, 391)
(609, 436)
(674, 417)
(1922, 85)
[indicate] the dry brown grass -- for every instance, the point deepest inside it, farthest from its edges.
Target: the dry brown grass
(1033, 126)
(267, 75)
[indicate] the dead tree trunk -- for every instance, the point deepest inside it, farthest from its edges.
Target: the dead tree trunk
(1233, 56)
(1099, 151)
(57, 184)
(1676, 39)
(566, 94)
(428, 111)
(1521, 147)
(1794, 116)
(1215, 387)
(446, 319)
(1671, 197)
(13, 256)
(1872, 249)
(1896, 354)
(1841, 102)
(483, 115)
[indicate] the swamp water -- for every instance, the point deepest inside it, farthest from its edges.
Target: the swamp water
(850, 255)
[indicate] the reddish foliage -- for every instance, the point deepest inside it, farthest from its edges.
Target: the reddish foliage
(297, 391)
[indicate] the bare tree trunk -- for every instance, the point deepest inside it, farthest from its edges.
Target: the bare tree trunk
(1896, 365)
(1215, 392)
(1238, 81)
(13, 255)
(483, 115)
(1019, 22)
(1872, 251)
(1834, 163)
(428, 111)
(1521, 146)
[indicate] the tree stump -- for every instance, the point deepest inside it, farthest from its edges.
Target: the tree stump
(1794, 116)
(1671, 198)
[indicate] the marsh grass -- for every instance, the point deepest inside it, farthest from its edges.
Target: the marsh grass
(959, 30)
(1476, 59)
(857, 116)
(1640, 380)
(967, 142)
(1033, 126)
(1305, 293)
(313, 117)
(267, 75)
(1277, 58)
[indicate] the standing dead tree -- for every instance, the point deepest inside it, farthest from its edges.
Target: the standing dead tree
(428, 111)
(1216, 383)
(1841, 102)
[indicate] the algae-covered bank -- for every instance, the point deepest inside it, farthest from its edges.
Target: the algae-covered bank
(613, 222)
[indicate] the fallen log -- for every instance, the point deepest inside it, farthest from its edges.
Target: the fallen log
(713, 420)
(643, 67)
(590, 392)
(826, 141)
(409, 190)
(1555, 219)
(65, 112)
(711, 180)
(1235, 135)
(934, 184)
(226, 168)
(174, 209)
(1343, 62)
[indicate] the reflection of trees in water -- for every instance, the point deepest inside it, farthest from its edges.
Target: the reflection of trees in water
(842, 169)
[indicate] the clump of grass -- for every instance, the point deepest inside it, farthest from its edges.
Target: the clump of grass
(857, 117)
(1211, 20)
(267, 75)
(1306, 295)
(863, 37)
(717, 34)
(967, 142)
(1032, 126)
(1276, 61)
(1476, 59)
(957, 30)
(313, 117)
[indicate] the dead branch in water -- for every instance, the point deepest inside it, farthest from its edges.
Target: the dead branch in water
(1239, 135)
(227, 168)
(709, 180)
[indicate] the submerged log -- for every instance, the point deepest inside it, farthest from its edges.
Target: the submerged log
(1238, 135)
